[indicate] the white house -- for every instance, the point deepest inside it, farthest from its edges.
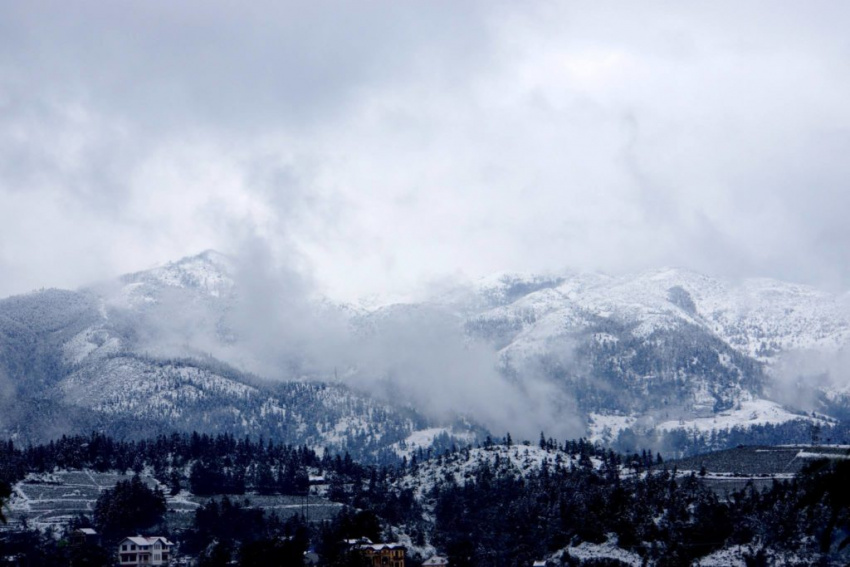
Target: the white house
(139, 550)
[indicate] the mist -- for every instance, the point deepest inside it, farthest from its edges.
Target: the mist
(337, 150)
(275, 323)
(424, 141)
(414, 356)
(799, 374)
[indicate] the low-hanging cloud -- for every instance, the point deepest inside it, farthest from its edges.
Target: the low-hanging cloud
(274, 323)
(422, 357)
(368, 148)
(800, 377)
(432, 139)
(412, 355)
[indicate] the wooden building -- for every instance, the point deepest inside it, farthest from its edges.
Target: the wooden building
(383, 554)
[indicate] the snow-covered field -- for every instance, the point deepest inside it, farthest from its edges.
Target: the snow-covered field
(53, 499)
(606, 550)
(748, 414)
(424, 438)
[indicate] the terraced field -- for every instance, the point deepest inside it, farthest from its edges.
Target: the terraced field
(54, 499)
(732, 469)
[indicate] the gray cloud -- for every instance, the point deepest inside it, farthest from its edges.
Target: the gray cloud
(211, 63)
(351, 148)
(384, 144)
(799, 375)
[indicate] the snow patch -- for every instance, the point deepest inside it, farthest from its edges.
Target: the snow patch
(606, 550)
(750, 413)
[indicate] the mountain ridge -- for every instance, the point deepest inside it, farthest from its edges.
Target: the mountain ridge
(654, 348)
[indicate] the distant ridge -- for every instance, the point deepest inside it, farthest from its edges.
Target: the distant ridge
(608, 357)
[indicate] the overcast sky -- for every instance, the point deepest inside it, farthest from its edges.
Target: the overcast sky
(377, 145)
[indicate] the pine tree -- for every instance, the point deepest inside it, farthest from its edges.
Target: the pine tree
(5, 493)
(129, 506)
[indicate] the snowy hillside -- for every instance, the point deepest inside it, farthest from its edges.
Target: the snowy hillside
(593, 354)
(460, 467)
(127, 357)
(661, 350)
(759, 318)
(209, 273)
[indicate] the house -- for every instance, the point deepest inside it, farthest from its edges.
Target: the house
(383, 554)
(82, 536)
(139, 550)
(436, 561)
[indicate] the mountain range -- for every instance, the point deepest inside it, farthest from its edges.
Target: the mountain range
(211, 343)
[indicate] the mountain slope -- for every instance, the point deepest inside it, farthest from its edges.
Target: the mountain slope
(574, 354)
(127, 358)
(663, 345)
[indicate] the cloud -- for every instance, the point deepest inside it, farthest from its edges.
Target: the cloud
(272, 323)
(384, 144)
(800, 375)
(420, 356)
(351, 149)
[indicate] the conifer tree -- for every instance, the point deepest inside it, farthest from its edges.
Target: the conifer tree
(129, 506)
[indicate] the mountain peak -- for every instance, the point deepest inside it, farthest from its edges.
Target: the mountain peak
(208, 255)
(506, 287)
(210, 272)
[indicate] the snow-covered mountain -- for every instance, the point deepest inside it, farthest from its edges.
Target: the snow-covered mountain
(665, 347)
(132, 358)
(175, 347)
(759, 318)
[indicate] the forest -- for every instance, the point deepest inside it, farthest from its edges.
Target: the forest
(477, 505)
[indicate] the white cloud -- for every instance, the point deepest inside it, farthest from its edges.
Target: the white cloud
(381, 145)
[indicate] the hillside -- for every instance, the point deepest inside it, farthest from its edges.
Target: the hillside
(649, 353)
(125, 358)
(568, 503)
(628, 361)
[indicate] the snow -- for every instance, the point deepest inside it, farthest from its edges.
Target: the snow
(533, 316)
(208, 275)
(814, 455)
(727, 557)
(606, 550)
(208, 271)
(129, 385)
(460, 466)
(734, 556)
(53, 499)
(748, 414)
(424, 438)
(605, 428)
(758, 317)
(95, 341)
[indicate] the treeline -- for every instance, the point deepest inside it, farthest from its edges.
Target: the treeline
(497, 517)
(204, 464)
(500, 515)
(688, 442)
(486, 506)
(223, 532)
